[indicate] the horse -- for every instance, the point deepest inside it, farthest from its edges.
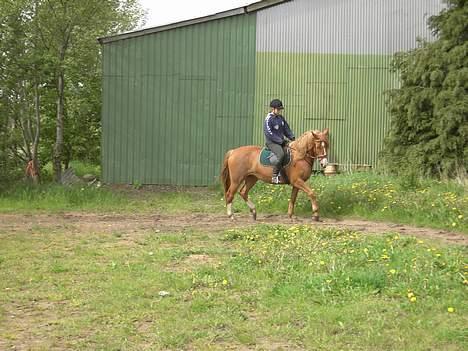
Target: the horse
(242, 166)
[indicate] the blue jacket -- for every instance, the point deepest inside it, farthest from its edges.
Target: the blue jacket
(276, 128)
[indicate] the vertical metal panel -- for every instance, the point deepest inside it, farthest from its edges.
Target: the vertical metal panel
(329, 61)
(344, 26)
(175, 101)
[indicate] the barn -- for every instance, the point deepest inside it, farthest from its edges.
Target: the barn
(177, 97)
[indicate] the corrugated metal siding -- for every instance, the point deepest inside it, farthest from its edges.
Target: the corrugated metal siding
(175, 101)
(344, 26)
(329, 61)
(341, 92)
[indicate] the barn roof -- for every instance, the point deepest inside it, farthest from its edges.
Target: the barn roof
(259, 5)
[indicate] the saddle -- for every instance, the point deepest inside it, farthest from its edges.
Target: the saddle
(266, 154)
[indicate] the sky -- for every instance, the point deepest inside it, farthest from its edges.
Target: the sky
(160, 12)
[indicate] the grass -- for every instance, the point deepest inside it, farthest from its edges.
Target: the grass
(268, 287)
(370, 196)
(442, 205)
(55, 198)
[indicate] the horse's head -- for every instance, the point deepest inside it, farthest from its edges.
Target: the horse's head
(318, 146)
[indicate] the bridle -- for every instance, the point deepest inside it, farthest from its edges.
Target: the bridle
(310, 158)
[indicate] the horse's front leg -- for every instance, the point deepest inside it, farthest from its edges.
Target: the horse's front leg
(301, 185)
(292, 201)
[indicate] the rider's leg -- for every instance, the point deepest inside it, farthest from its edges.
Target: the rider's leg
(279, 152)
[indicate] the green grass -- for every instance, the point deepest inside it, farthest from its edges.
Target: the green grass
(370, 196)
(428, 203)
(264, 288)
(51, 197)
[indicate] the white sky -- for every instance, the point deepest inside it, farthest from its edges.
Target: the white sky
(160, 12)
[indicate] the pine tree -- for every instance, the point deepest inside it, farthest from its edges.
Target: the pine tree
(429, 130)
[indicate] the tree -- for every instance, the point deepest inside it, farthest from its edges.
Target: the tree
(69, 30)
(23, 69)
(429, 111)
(50, 76)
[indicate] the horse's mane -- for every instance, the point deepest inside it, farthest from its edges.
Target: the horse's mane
(301, 145)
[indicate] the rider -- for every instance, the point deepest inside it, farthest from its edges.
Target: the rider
(276, 129)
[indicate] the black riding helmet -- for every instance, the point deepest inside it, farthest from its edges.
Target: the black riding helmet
(276, 104)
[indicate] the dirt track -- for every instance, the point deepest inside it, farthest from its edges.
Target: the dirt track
(78, 222)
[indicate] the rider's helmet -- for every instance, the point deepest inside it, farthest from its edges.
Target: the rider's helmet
(276, 104)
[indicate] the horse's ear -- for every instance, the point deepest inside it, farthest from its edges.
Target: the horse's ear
(315, 135)
(325, 131)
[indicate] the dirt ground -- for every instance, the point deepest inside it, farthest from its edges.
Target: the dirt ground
(79, 222)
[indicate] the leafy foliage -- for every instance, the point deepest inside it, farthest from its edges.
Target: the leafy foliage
(429, 129)
(41, 41)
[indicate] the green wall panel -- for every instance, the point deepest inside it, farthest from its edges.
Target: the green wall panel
(339, 91)
(175, 101)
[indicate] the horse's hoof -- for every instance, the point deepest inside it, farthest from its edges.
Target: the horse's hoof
(231, 217)
(254, 215)
(316, 218)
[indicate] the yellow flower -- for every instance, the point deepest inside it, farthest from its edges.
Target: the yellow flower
(413, 299)
(225, 282)
(454, 224)
(392, 271)
(322, 262)
(410, 295)
(460, 216)
(451, 309)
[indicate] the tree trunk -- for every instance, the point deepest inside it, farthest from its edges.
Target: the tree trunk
(58, 147)
(36, 176)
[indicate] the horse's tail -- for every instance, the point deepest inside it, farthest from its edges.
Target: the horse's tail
(225, 176)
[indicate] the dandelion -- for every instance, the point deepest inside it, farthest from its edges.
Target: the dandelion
(454, 224)
(451, 310)
(413, 299)
(225, 282)
(392, 271)
(460, 216)
(322, 262)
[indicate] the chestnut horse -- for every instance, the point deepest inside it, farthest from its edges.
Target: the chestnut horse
(242, 165)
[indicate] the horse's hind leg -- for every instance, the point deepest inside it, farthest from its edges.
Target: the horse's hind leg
(230, 196)
(244, 192)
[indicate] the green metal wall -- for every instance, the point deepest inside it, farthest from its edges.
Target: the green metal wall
(175, 101)
(343, 92)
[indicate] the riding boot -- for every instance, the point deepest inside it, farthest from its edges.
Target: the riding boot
(275, 179)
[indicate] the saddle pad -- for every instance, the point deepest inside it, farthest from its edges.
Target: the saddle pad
(266, 153)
